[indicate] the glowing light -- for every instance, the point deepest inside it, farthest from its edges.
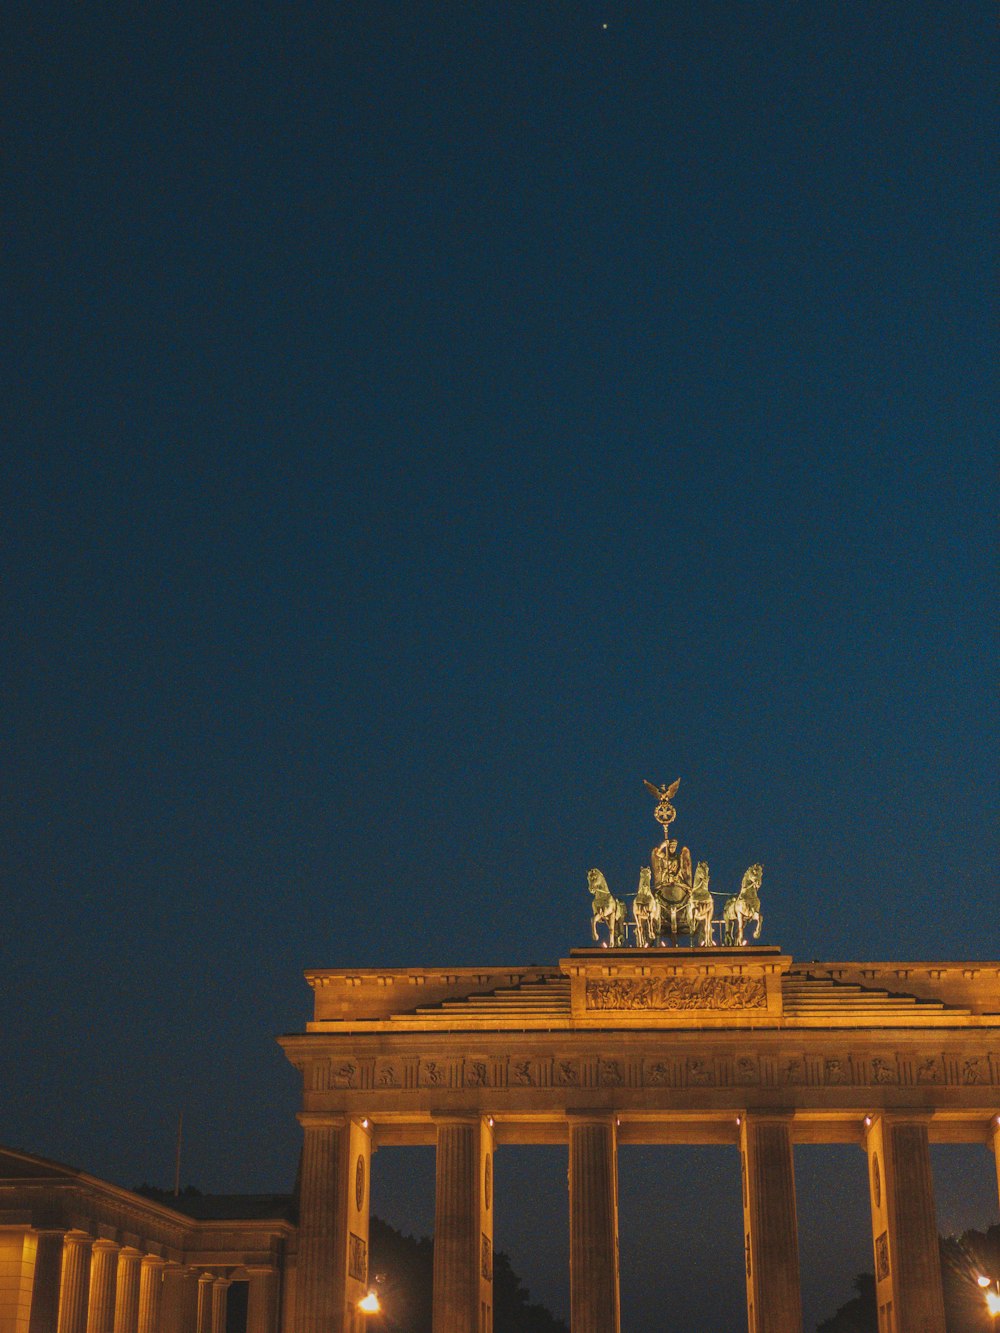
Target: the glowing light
(983, 1280)
(739, 1120)
(868, 1121)
(369, 1304)
(364, 1123)
(993, 1302)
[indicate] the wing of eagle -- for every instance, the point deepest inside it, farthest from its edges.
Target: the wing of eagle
(663, 793)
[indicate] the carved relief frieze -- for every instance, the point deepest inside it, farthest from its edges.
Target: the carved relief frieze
(657, 1074)
(677, 993)
(477, 1074)
(609, 1074)
(747, 1070)
(885, 1070)
(882, 1256)
(699, 1073)
(438, 1074)
(357, 1258)
(976, 1069)
(345, 1074)
(929, 1069)
(793, 1071)
(387, 1074)
(566, 1073)
(774, 1069)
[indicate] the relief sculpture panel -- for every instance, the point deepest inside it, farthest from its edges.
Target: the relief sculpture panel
(735, 992)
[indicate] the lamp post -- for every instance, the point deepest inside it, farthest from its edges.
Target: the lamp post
(991, 1292)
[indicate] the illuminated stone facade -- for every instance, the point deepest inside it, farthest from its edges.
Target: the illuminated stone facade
(741, 1047)
(78, 1255)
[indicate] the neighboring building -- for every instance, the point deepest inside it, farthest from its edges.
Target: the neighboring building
(78, 1254)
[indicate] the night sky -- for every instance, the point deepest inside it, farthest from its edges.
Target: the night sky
(423, 422)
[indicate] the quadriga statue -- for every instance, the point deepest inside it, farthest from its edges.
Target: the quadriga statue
(606, 909)
(745, 907)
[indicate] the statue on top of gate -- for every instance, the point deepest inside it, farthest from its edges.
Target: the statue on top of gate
(671, 899)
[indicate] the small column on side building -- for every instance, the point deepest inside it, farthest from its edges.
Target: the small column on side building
(904, 1227)
(17, 1270)
(332, 1272)
(45, 1282)
(593, 1224)
(463, 1226)
(770, 1224)
(220, 1302)
(127, 1291)
(180, 1296)
(203, 1323)
(74, 1282)
(262, 1300)
(995, 1141)
(150, 1293)
(103, 1284)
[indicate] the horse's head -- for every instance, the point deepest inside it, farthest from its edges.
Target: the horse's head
(753, 877)
(596, 882)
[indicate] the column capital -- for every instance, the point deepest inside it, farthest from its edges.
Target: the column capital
(102, 1243)
(76, 1237)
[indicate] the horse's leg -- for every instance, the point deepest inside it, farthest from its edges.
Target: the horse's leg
(760, 922)
(593, 925)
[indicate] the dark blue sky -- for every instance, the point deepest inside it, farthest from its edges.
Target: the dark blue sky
(424, 421)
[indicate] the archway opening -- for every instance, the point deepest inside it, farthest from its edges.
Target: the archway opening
(680, 1230)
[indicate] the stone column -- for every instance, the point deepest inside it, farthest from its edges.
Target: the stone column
(904, 1228)
(17, 1270)
(150, 1293)
(770, 1224)
(204, 1319)
(262, 1302)
(593, 1224)
(45, 1282)
(127, 1291)
(220, 1299)
(103, 1282)
(332, 1272)
(463, 1226)
(74, 1283)
(180, 1290)
(320, 1193)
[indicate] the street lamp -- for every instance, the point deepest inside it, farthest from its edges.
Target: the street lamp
(991, 1291)
(370, 1303)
